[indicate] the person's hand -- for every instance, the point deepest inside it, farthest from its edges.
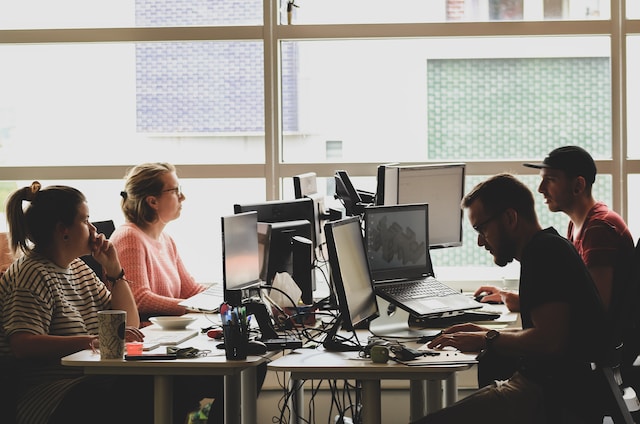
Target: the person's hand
(511, 300)
(462, 340)
(491, 294)
(467, 327)
(494, 294)
(133, 334)
(105, 253)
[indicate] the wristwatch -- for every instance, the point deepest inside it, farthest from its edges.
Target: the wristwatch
(490, 337)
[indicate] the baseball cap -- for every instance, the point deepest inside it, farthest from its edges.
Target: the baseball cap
(573, 160)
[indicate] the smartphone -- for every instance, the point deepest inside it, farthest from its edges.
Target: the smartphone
(151, 357)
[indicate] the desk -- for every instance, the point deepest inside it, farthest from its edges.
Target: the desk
(240, 401)
(319, 364)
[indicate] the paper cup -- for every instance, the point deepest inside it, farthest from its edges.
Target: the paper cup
(111, 329)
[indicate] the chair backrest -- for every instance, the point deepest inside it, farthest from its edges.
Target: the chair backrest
(107, 228)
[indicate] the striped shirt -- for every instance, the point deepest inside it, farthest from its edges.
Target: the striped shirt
(38, 297)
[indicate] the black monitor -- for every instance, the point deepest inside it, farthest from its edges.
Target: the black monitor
(439, 185)
(290, 241)
(351, 280)
(354, 200)
(284, 210)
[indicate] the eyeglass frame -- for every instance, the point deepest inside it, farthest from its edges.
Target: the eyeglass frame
(479, 227)
(178, 191)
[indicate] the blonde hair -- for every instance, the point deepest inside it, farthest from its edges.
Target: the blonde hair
(141, 181)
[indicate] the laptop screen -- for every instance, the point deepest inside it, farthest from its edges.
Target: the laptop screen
(397, 241)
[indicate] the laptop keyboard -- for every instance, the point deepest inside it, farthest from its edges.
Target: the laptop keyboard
(417, 289)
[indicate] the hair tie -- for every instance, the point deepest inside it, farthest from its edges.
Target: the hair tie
(123, 194)
(33, 190)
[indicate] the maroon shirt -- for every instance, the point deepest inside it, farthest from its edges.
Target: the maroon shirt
(604, 237)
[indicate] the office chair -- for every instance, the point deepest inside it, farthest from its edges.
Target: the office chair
(616, 372)
(107, 228)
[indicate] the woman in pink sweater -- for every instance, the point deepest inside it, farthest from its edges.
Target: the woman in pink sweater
(159, 280)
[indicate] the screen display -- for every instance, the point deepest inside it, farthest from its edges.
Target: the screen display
(397, 241)
(441, 186)
(240, 251)
(350, 271)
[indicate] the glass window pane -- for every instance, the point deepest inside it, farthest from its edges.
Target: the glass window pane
(194, 102)
(633, 96)
(126, 13)
(633, 217)
(633, 9)
(408, 11)
(198, 230)
(445, 99)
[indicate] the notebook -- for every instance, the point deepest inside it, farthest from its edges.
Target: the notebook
(397, 245)
(208, 300)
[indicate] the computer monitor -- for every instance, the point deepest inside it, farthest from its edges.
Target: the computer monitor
(306, 186)
(290, 240)
(439, 185)
(240, 258)
(284, 210)
(354, 200)
(351, 280)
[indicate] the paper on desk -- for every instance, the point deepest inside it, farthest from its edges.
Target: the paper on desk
(443, 357)
(284, 282)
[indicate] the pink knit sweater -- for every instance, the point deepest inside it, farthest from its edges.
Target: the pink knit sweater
(159, 279)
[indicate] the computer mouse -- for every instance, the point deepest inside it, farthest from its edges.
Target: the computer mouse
(256, 347)
(479, 298)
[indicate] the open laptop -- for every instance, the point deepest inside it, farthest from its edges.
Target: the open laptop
(397, 245)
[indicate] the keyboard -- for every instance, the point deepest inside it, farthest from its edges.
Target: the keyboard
(155, 338)
(416, 289)
(208, 300)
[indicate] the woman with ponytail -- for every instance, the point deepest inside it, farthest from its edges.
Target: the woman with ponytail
(49, 299)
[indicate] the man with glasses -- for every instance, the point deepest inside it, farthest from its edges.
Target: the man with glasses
(560, 311)
(599, 234)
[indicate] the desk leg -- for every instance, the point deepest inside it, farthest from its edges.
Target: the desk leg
(417, 399)
(232, 398)
(249, 396)
(451, 385)
(296, 401)
(371, 408)
(434, 395)
(162, 399)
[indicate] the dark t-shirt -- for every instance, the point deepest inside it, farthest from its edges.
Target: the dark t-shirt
(552, 271)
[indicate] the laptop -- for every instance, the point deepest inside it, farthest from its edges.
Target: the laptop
(208, 300)
(397, 246)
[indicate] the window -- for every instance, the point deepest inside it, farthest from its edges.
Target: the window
(241, 100)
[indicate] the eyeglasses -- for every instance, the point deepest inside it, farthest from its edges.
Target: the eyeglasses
(178, 190)
(480, 227)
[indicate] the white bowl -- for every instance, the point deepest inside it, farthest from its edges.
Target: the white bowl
(172, 323)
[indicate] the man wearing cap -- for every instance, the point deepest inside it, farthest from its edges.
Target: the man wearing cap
(599, 234)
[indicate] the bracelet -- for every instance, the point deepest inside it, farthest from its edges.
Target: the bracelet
(114, 279)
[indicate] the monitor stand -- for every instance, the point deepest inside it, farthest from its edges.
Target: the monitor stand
(393, 322)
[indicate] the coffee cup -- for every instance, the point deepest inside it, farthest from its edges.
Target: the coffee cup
(111, 333)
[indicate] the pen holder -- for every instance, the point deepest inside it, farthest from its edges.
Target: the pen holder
(236, 341)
